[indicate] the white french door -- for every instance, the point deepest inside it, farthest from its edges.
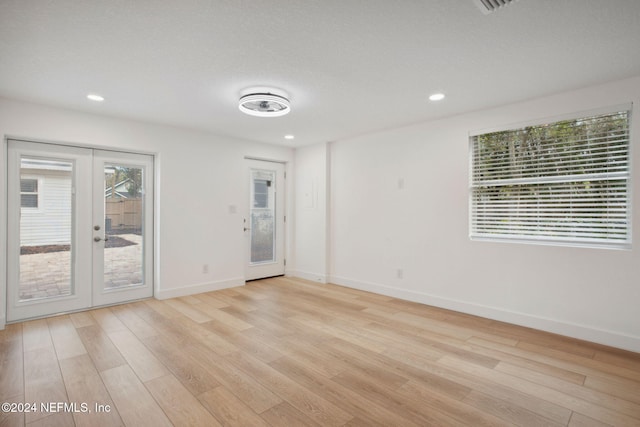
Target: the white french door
(265, 219)
(80, 228)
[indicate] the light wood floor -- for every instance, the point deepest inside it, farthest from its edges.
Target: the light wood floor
(286, 352)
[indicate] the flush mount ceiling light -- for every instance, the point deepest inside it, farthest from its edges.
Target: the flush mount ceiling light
(264, 102)
(436, 97)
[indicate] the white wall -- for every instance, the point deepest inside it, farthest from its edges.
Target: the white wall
(378, 228)
(311, 216)
(199, 175)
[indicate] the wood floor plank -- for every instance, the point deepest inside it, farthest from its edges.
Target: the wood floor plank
(386, 398)
(459, 410)
(193, 375)
(243, 386)
(108, 321)
(104, 354)
(133, 322)
(573, 403)
(299, 349)
(286, 415)
(230, 410)
(579, 420)
(42, 380)
(246, 345)
(132, 400)
(603, 399)
(345, 334)
(210, 300)
(534, 404)
(35, 335)
(581, 365)
(11, 332)
(238, 301)
(507, 411)
(218, 315)
(307, 402)
(291, 352)
(84, 385)
(619, 387)
(162, 308)
(57, 419)
(65, 338)
(11, 363)
(346, 398)
(140, 359)
(182, 408)
(191, 311)
(81, 319)
(619, 358)
(377, 362)
(10, 418)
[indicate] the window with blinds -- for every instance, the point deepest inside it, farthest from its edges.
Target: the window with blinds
(559, 183)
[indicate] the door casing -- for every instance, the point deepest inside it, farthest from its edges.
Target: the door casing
(87, 193)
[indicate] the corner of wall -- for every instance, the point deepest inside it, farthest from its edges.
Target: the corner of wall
(314, 277)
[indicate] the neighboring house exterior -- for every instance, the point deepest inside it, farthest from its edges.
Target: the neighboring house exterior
(46, 197)
(45, 202)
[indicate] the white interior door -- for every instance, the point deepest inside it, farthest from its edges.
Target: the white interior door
(57, 257)
(265, 219)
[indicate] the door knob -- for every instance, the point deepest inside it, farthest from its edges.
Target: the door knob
(97, 239)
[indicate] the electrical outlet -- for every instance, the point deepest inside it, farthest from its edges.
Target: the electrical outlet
(205, 268)
(399, 273)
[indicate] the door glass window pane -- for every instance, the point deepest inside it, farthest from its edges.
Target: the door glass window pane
(46, 249)
(123, 225)
(261, 193)
(262, 217)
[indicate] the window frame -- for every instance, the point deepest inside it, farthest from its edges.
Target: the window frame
(38, 193)
(477, 235)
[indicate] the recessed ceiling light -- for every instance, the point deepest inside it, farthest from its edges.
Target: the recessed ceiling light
(289, 137)
(437, 97)
(264, 102)
(94, 97)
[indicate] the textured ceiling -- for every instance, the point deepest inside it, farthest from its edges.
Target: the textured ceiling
(350, 66)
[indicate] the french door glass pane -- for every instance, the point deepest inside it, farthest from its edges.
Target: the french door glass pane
(46, 218)
(123, 225)
(262, 216)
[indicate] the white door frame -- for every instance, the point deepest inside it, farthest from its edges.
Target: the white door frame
(260, 270)
(88, 201)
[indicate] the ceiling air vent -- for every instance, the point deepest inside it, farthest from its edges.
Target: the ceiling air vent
(488, 6)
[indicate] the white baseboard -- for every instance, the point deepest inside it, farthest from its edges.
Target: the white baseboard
(587, 333)
(199, 288)
(314, 277)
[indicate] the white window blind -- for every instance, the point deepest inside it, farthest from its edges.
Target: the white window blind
(561, 183)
